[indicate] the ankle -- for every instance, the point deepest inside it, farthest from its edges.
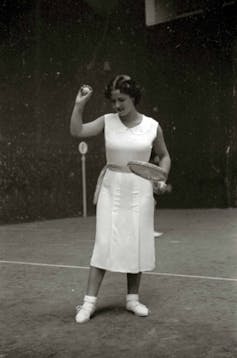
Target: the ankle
(89, 302)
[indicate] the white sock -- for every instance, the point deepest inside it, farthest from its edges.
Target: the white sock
(132, 297)
(90, 299)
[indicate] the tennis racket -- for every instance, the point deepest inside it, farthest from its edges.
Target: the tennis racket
(151, 172)
(147, 170)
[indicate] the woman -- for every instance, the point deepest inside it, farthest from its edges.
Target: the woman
(125, 208)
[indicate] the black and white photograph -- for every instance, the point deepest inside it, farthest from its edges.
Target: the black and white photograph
(118, 179)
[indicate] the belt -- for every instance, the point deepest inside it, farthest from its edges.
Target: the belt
(118, 168)
(113, 167)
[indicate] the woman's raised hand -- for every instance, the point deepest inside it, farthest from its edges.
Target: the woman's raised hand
(84, 94)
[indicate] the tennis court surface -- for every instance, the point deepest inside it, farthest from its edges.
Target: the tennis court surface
(192, 294)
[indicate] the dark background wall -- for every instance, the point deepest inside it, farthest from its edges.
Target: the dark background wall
(187, 68)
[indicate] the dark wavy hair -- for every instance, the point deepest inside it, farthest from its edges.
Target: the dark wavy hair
(125, 84)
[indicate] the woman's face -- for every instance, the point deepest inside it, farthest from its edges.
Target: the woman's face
(122, 103)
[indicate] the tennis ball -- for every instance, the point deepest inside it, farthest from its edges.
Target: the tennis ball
(85, 90)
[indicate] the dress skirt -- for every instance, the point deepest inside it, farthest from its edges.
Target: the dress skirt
(124, 239)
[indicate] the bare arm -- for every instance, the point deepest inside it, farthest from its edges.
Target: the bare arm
(161, 152)
(77, 128)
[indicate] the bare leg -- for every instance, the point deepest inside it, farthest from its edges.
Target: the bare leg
(133, 282)
(96, 276)
(85, 311)
(132, 299)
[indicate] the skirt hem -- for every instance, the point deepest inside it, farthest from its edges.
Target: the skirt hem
(111, 269)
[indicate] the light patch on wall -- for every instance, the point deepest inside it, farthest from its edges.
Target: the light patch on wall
(160, 11)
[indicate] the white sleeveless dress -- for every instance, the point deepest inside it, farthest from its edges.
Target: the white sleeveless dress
(124, 239)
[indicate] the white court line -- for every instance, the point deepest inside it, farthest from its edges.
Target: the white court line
(146, 273)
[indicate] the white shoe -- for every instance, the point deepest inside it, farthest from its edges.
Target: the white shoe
(85, 311)
(136, 307)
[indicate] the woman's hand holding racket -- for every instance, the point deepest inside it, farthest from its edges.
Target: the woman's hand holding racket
(160, 187)
(84, 94)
